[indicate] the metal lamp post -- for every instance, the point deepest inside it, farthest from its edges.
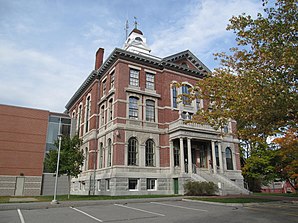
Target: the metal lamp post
(54, 201)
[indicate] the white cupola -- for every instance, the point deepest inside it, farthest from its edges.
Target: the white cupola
(136, 42)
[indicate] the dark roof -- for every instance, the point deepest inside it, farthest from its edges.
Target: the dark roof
(117, 53)
(191, 57)
(135, 30)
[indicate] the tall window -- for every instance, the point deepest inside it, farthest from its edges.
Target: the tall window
(229, 159)
(134, 77)
(150, 111)
(100, 164)
(185, 91)
(111, 109)
(79, 120)
(102, 115)
(174, 95)
(112, 78)
(104, 87)
(88, 105)
(109, 152)
(150, 81)
(132, 152)
(133, 107)
(149, 152)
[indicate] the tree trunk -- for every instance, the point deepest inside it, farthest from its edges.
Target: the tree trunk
(68, 195)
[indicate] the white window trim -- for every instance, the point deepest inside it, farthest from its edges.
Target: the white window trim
(138, 184)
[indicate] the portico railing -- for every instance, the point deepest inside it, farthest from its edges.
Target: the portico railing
(180, 123)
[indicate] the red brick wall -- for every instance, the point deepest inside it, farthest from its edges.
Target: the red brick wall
(22, 140)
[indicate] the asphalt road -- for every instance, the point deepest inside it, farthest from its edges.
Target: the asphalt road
(164, 211)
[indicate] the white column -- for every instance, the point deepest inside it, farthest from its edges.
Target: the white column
(220, 158)
(213, 156)
(189, 155)
(182, 165)
(171, 157)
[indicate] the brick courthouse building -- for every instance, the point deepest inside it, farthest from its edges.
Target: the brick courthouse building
(135, 140)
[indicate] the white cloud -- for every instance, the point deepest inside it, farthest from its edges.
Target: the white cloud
(34, 79)
(202, 28)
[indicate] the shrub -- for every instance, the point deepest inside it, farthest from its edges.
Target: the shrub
(195, 188)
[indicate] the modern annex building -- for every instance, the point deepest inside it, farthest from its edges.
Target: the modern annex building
(26, 134)
(134, 136)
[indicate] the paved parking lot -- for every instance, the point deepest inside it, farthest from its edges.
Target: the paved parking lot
(166, 211)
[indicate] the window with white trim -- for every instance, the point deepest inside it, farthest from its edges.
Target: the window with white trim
(185, 91)
(112, 80)
(107, 184)
(100, 160)
(102, 115)
(132, 152)
(150, 110)
(109, 152)
(150, 153)
(150, 81)
(133, 107)
(133, 184)
(229, 159)
(88, 108)
(79, 120)
(111, 109)
(151, 184)
(134, 77)
(104, 87)
(174, 96)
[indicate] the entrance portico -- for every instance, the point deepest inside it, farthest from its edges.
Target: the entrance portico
(187, 154)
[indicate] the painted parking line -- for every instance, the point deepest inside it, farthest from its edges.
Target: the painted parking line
(90, 216)
(176, 206)
(21, 216)
(137, 209)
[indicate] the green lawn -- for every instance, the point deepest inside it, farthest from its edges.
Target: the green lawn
(274, 194)
(5, 199)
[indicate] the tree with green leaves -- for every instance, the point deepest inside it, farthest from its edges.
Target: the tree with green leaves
(256, 84)
(71, 158)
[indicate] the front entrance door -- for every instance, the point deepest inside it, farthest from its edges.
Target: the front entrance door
(203, 156)
(176, 186)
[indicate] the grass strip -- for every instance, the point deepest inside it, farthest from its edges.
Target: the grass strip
(5, 199)
(233, 199)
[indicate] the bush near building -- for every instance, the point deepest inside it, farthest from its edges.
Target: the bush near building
(195, 188)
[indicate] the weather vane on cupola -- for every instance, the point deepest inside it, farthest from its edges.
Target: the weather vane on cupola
(136, 23)
(127, 26)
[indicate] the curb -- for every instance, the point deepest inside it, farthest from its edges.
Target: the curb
(46, 205)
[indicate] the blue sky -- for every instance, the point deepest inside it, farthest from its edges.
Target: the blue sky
(47, 47)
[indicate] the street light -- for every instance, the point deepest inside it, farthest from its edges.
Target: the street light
(54, 201)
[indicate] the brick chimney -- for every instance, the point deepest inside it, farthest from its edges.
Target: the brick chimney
(99, 58)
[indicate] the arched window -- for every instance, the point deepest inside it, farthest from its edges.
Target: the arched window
(109, 152)
(133, 107)
(174, 95)
(150, 153)
(87, 116)
(79, 120)
(185, 91)
(100, 160)
(111, 109)
(229, 159)
(150, 111)
(132, 152)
